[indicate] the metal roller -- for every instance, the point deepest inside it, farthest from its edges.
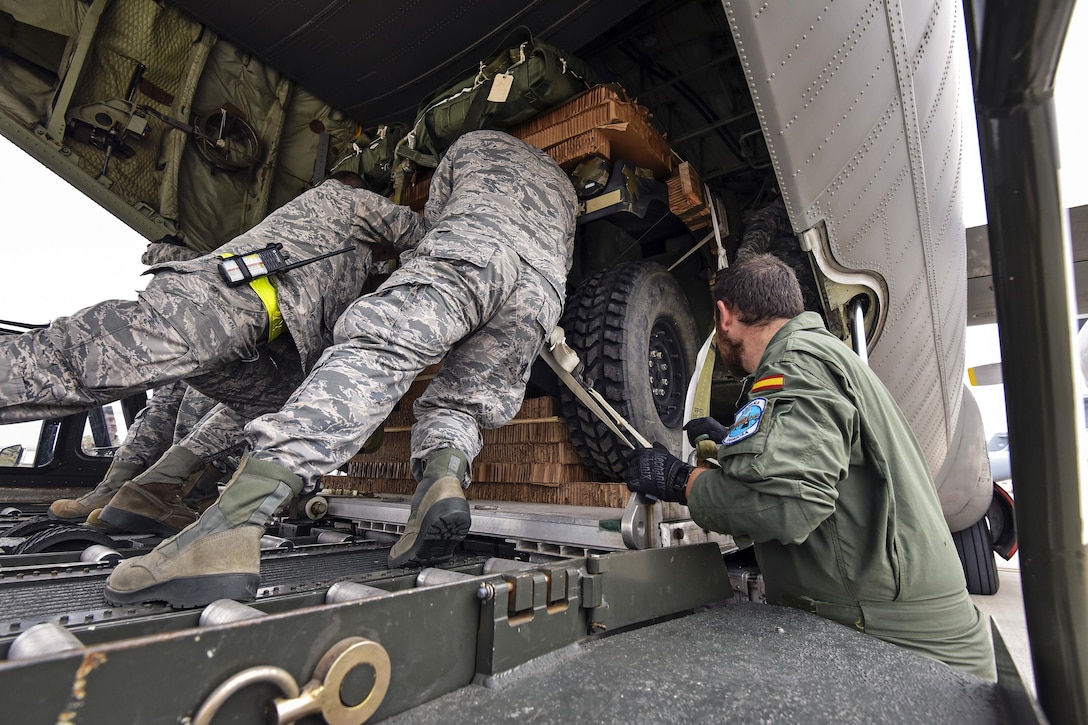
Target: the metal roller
(341, 592)
(431, 577)
(225, 611)
(276, 542)
(327, 536)
(496, 566)
(43, 639)
(316, 508)
(99, 553)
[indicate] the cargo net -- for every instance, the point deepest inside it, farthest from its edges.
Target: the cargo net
(165, 41)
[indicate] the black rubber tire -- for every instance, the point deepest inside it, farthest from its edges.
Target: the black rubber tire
(620, 321)
(1002, 518)
(63, 538)
(34, 526)
(976, 550)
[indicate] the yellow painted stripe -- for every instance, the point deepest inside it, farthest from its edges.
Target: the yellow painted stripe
(971, 376)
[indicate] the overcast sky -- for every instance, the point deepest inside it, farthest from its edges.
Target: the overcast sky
(63, 252)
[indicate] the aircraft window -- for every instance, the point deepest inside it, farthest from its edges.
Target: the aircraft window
(19, 444)
(31, 444)
(104, 430)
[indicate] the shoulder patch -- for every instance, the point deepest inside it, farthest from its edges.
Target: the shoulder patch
(771, 382)
(747, 421)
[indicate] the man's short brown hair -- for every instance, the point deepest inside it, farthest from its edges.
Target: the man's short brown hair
(759, 288)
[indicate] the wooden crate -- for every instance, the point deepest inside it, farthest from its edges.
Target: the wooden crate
(601, 121)
(531, 459)
(686, 198)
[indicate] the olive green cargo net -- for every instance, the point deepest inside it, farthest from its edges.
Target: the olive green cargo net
(525, 79)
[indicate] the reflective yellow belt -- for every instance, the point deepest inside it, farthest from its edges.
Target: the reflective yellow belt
(266, 291)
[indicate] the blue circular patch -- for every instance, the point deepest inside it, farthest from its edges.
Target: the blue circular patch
(746, 423)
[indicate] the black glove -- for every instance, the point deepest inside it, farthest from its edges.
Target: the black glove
(699, 427)
(657, 473)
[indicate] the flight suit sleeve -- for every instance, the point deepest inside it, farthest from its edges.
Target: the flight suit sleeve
(379, 220)
(779, 482)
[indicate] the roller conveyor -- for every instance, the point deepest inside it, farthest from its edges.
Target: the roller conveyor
(70, 592)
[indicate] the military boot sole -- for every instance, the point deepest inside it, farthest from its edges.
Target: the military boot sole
(193, 591)
(445, 525)
(77, 519)
(118, 518)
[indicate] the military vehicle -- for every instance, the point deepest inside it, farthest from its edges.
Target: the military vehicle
(191, 120)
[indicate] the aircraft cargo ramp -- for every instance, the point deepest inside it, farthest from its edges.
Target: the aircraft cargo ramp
(615, 636)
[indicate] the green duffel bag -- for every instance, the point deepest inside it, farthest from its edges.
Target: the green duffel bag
(373, 160)
(527, 78)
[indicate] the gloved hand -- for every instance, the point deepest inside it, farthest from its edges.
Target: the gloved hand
(657, 473)
(699, 427)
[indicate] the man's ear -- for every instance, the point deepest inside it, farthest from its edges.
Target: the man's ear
(723, 316)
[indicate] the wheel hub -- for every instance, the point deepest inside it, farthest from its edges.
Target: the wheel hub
(668, 372)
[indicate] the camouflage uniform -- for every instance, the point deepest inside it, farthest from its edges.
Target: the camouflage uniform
(161, 252)
(481, 283)
(188, 324)
(165, 418)
(483, 288)
(178, 414)
(215, 433)
(153, 430)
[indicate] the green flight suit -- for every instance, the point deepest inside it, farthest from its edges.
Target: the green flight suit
(822, 472)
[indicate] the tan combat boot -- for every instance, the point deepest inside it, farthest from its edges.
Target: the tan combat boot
(76, 510)
(151, 503)
(439, 518)
(219, 556)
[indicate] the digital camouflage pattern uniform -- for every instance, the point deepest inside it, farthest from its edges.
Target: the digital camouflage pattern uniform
(830, 484)
(481, 283)
(218, 432)
(152, 432)
(178, 414)
(175, 415)
(188, 324)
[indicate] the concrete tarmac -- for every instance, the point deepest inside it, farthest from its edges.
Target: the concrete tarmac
(1007, 607)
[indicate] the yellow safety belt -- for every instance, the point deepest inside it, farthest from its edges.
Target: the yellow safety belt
(706, 450)
(267, 292)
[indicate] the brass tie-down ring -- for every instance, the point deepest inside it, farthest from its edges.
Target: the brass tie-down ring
(263, 673)
(321, 694)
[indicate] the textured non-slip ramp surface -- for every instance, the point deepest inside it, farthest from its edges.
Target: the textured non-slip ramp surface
(740, 663)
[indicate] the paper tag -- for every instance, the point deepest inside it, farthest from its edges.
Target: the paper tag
(500, 89)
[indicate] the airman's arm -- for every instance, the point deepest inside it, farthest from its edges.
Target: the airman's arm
(780, 482)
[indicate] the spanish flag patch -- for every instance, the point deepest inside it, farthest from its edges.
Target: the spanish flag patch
(771, 382)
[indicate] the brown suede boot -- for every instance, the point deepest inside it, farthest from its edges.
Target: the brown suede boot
(222, 565)
(76, 510)
(219, 556)
(148, 508)
(152, 502)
